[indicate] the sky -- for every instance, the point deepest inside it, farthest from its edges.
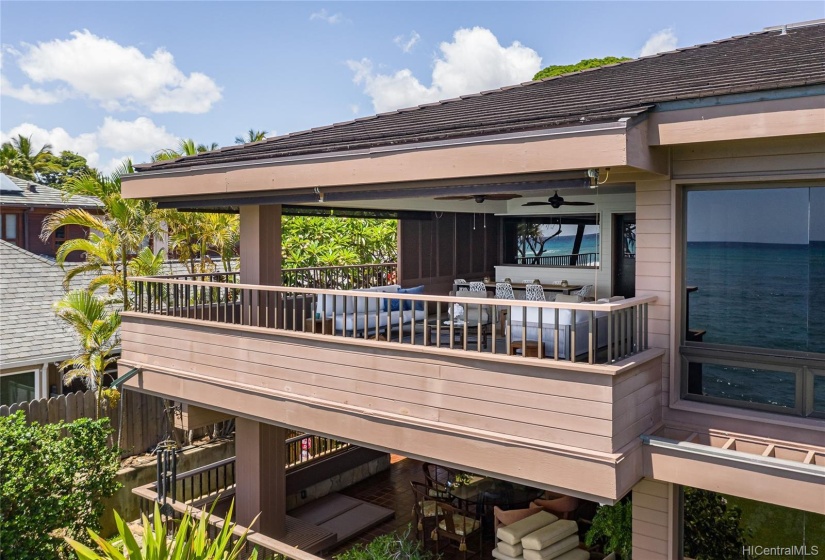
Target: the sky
(116, 79)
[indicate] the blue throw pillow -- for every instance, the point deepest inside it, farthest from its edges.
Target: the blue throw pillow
(419, 305)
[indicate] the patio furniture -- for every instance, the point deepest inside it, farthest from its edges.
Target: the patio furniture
(529, 349)
(504, 290)
(559, 505)
(436, 478)
(478, 287)
(534, 292)
(425, 509)
(459, 526)
(585, 292)
(435, 331)
(460, 285)
(354, 314)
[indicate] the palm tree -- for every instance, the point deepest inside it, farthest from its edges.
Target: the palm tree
(252, 135)
(187, 147)
(194, 235)
(97, 331)
(114, 237)
(18, 157)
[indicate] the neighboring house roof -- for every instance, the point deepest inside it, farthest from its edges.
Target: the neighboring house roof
(30, 332)
(29, 194)
(767, 60)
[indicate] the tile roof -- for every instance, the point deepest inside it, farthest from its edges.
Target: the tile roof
(29, 329)
(766, 60)
(35, 194)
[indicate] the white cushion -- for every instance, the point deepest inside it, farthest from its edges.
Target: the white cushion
(512, 534)
(510, 549)
(568, 298)
(575, 554)
(554, 550)
(549, 534)
(501, 556)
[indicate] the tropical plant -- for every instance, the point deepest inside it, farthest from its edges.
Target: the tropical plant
(197, 237)
(613, 529)
(585, 64)
(252, 135)
(64, 167)
(190, 541)
(53, 482)
(18, 155)
(114, 237)
(96, 328)
(713, 528)
(330, 241)
(391, 546)
(186, 147)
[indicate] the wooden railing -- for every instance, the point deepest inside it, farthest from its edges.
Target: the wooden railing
(590, 332)
(347, 277)
(306, 448)
(579, 260)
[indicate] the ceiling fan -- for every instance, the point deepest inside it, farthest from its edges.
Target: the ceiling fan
(556, 201)
(479, 198)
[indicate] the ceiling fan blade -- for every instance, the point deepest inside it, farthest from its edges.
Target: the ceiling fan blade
(456, 197)
(572, 203)
(537, 204)
(501, 196)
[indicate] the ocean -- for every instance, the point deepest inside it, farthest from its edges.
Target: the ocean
(759, 295)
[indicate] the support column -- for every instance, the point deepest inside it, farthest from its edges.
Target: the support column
(260, 249)
(260, 245)
(260, 476)
(656, 520)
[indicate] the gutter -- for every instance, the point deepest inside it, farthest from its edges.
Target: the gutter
(733, 456)
(620, 125)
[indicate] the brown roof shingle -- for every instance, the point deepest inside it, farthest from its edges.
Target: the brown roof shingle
(766, 60)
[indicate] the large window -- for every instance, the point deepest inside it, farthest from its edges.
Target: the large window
(755, 283)
(9, 227)
(563, 241)
(18, 387)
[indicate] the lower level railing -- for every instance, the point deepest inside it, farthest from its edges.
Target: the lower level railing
(587, 260)
(593, 332)
(305, 448)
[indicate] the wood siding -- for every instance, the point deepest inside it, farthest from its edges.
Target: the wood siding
(655, 266)
(760, 158)
(436, 252)
(654, 520)
(586, 411)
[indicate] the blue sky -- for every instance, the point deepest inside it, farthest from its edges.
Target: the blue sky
(115, 79)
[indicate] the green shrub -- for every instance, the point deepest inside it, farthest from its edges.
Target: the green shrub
(190, 541)
(391, 546)
(613, 529)
(51, 485)
(713, 528)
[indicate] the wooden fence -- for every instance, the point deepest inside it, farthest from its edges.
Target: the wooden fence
(144, 417)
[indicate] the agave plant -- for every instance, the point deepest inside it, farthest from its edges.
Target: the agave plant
(190, 542)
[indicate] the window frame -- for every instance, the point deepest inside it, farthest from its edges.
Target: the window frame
(596, 221)
(805, 365)
(38, 386)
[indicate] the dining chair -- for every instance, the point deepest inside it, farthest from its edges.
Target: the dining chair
(478, 287)
(457, 525)
(584, 292)
(425, 510)
(436, 478)
(504, 290)
(534, 292)
(461, 285)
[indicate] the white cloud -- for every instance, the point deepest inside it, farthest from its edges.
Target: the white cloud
(473, 62)
(141, 136)
(117, 77)
(661, 41)
(355, 108)
(406, 44)
(324, 15)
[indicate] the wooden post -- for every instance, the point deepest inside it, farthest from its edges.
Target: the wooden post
(260, 251)
(260, 463)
